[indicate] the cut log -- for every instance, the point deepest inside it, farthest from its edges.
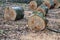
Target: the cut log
(13, 13)
(34, 4)
(50, 3)
(43, 8)
(57, 3)
(53, 18)
(37, 21)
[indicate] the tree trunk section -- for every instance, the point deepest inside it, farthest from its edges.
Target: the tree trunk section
(13, 13)
(34, 4)
(37, 21)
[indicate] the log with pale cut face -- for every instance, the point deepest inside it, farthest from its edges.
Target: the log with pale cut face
(13, 13)
(34, 4)
(36, 22)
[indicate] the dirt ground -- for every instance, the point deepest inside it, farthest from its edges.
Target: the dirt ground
(17, 30)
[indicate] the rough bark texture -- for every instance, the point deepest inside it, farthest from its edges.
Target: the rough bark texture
(53, 18)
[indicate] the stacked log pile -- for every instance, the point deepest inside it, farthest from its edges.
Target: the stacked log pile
(49, 3)
(37, 18)
(39, 23)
